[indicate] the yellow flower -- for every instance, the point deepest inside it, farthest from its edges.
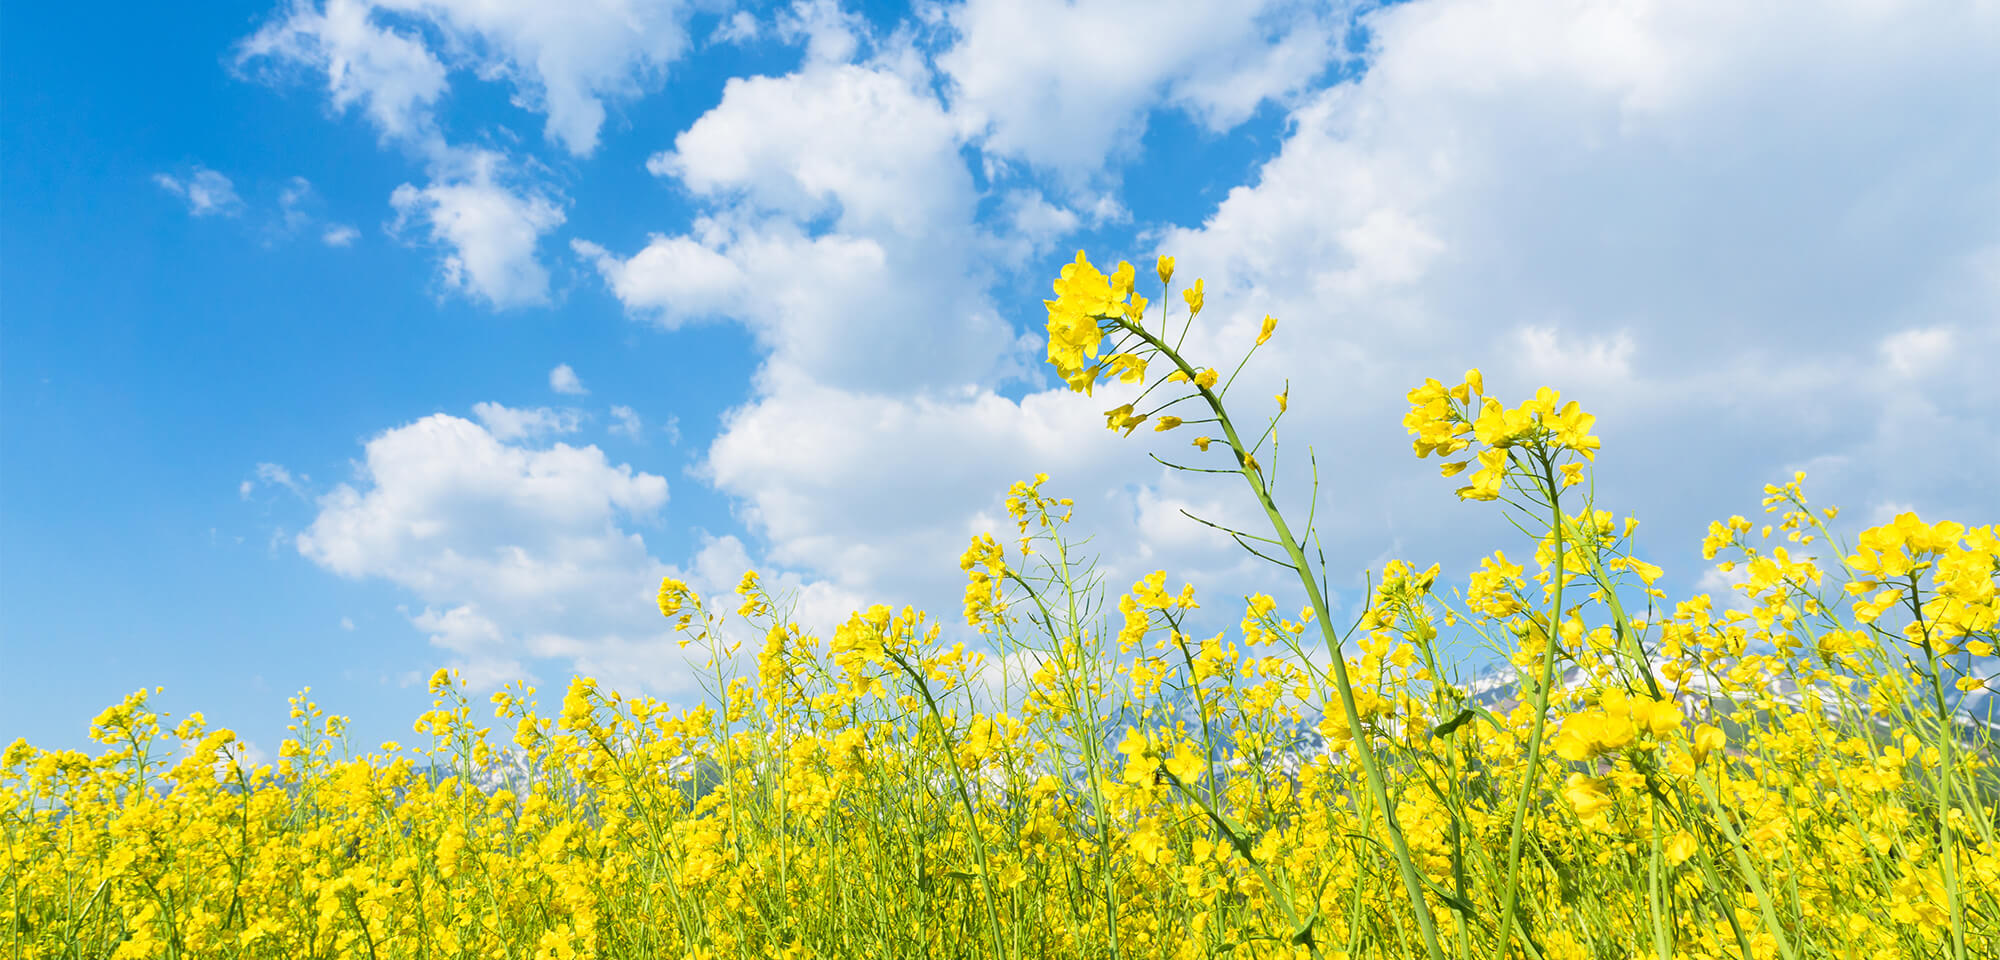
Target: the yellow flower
(1591, 735)
(1148, 842)
(1128, 368)
(1283, 399)
(1586, 795)
(1270, 324)
(1193, 297)
(1084, 296)
(1187, 764)
(1679, 848)
(1707, 740)
(1135, 309)
(1166, 423)
(1207, 378)
(1659, 717)
(673, 595)
(1487, 479)
(1203, 443)
(1122, 418)
(1165, 268)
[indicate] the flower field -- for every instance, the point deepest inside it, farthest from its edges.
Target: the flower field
(1071, 769)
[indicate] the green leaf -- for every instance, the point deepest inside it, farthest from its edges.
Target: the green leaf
(1304, 936)
(1451, 726)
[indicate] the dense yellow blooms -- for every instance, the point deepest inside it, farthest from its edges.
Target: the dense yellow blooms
(1766, 777)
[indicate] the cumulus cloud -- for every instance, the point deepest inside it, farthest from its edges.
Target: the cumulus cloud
(516, 553)
(339, 235)
(389, 72)
(841, 233)
(206, 192)
(523, 559)
(852, 485)
(1064, 84)
(486, 230)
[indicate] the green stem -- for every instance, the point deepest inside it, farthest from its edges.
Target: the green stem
(1942, 783)
(1364, 750)
(965, 798)
(1550, 631)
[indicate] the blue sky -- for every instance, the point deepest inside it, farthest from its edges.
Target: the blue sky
(284, 287)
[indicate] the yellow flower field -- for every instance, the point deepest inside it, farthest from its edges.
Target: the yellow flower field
(1093, 777)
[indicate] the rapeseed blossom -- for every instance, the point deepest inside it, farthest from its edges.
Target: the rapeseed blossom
(1780, 774)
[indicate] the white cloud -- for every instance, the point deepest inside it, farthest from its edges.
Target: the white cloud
(1064, 85)
(627, 422)
(206, 192)
(297, 214)
(347, 623)
(391, 73)
(740, 28)
(488, 229)
(563, 61)
(673, 277)
(515, 553)
(862, 143)
(867, 151)
(562, 379)
(1910, 353)
(832, 35)
(292, 201)
(878, 495)
(1034, 224)
(515, 423)
(275, 475)
(1548, 355)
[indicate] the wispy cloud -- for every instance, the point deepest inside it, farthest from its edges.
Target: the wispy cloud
(206, 192)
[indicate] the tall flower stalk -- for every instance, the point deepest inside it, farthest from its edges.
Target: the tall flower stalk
(1089, 307)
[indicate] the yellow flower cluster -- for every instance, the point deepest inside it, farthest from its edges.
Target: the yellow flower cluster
(1443, 421)
(1085, 298)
